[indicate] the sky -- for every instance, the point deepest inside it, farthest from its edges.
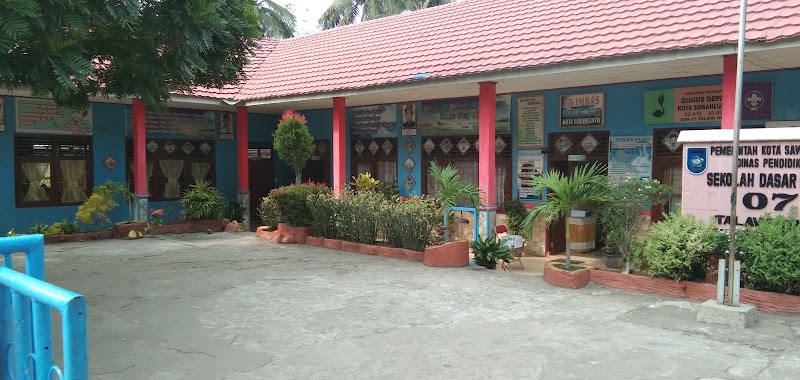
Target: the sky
(307, 13)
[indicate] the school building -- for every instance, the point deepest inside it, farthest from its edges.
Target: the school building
(502, 90)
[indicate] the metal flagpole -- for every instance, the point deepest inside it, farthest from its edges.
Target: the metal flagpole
(737, 125)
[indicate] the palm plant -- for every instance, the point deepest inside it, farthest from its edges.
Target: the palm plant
(274, 20)
(586, 185)
(451, 188)
(346, 12)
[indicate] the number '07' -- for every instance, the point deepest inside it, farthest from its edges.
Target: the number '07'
(758, 201)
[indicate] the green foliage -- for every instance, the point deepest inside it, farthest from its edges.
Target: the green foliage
(94, 211)
(621, 215)
(269, 213)
(770, 254)
(389, 189)
(356, 217)
(292, 205)
(275, 21)
(58, 228)
(293, 142)
(452, 188)
(323, 208)
(202, 201)
(587, 185)
(516, 213)
(346, 12)
(678, 247)
(408, 222)
(365, 182)
(233, 210)
(146, 49)
(489, 251)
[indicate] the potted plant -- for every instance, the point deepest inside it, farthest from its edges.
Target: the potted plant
(293, 142)
(586, 185)
(621, 217)
(451, 189)
(489, 251)
(204, 206)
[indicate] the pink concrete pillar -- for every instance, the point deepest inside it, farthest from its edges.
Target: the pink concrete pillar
(139, 160)
(728, 90)
(339, 145)
(242, 162)
(486, 136)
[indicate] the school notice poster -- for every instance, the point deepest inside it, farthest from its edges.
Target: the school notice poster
(530, 163)
(630, 157)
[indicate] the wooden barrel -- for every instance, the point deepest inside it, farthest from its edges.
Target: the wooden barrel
(582, 233)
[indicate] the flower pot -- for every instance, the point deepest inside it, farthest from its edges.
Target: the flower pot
(613, 261)
(121, 230)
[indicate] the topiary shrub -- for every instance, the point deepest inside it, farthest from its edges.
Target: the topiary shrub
(677, 247)
(770, 254)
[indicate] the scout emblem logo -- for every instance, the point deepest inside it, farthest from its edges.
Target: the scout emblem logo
(696, 160)
(754, 100)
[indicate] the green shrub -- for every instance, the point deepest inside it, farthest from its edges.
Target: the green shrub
(770, 254)
(516, 213)
(269, 213)
(292, 204)
(323, 209)
(407, 223)
(233, 210)
(389, 189)
(678, 247)
(489, 251)
(202, 201)
(356, 216)
(38, 228)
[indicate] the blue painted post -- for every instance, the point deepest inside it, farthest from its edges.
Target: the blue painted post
(23, 343)
(5, 333)
(76, 356)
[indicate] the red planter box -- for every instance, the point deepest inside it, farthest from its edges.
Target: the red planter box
(315, 241)
(121, 230)
(332, 244)
(349, 246)
(185, 227)
(453, 254)
(566, 279)
(83, 236)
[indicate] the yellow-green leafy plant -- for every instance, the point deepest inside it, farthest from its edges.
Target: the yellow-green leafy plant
(94, 211)
(365, 182)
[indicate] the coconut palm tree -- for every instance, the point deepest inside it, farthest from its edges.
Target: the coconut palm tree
(586, 185)
(345, 12)
(452, 188)
(275, 21)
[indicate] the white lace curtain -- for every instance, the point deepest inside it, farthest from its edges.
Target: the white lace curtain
(73, 173)
(172, 170)
(36, 172)
(149, 169)
(200, 171)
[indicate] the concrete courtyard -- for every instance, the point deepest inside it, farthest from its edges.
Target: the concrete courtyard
(229, 306)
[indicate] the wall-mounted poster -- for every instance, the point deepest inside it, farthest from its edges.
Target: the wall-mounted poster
(2, 115)
(530, 163)
(630, 157)
(459, 117)
(177, 123)
(374, 121)
(45, 116)
(226, 126)
(409, 119)
(582, 110)
(530, 121)
(704, 104)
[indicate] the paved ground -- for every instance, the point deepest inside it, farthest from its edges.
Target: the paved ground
(228, 306)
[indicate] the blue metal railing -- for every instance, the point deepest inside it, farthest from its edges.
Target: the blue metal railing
(25, 325)
(475, 219)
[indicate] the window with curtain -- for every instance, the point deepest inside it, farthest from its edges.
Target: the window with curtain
(173, 165)
(466, 163)
(376, 156)
(52, 170)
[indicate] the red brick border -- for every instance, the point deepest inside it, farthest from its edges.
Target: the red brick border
(79, 237)
(452, 254)
(765, 301)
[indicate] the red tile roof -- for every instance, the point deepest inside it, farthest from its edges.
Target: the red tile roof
(265, 47)
(480, 36)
